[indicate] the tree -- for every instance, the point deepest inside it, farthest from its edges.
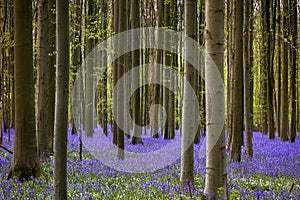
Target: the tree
(155, 90)
(42, 80)
(247, 79)
(189, 117)
(284, 87)
(51, 74)
(115, 68)
(293, 82)
(214, 64)
(237, 131)
(89, 74)
(135, 39)
(25, 160)
(120, 91)
(61, 101)
(1, 61)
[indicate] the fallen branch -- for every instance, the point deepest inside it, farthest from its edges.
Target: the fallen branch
(3, 147)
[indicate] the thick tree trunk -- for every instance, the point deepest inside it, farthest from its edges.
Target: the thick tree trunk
(25, 160)
(215, 139)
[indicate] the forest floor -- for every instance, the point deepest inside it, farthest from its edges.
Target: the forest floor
(273, 173)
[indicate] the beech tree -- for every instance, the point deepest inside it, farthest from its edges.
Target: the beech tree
(214, 66)
(61, 101)
(25, 159)
(188, 110)
(42, 80)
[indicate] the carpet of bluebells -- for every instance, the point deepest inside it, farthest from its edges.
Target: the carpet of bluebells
(273, 173)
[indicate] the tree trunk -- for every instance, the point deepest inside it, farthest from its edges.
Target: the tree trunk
(189, 118)
(51, 75)
(120, 91)
(154, 116)
(25, 160)
(89, 73)
(293, 77)
(61, 101)
(285, 64)
(1, 62)
(247, 74)
(135, 56)
(237, 132)
(215, 140)
(42, 80)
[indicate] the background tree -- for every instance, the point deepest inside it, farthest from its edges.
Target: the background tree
(61, 101)
(214, 66)
(25, 160)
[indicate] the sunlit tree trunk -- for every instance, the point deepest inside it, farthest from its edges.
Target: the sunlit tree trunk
(214, 66)
(189, 117)
(61, 100)
(25, 160)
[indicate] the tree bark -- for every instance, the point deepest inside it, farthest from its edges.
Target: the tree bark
(285, 64)
(237, 131)
(214, 77)
(189, 117)
(42, 80)
(61, 101)
(25, 160)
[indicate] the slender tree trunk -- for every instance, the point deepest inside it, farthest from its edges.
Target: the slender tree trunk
(237, 131)
(51, 75)
(188, 111)
(25, 159)
(284, 89)
(115, 69)
(154, 118)
(135, 56)
(42, 80)
(120, 91)
(293, 86)
(89, 73)
(61, 101)
(215, 140)
(247, 87)
(1, 62)
(278, 68)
